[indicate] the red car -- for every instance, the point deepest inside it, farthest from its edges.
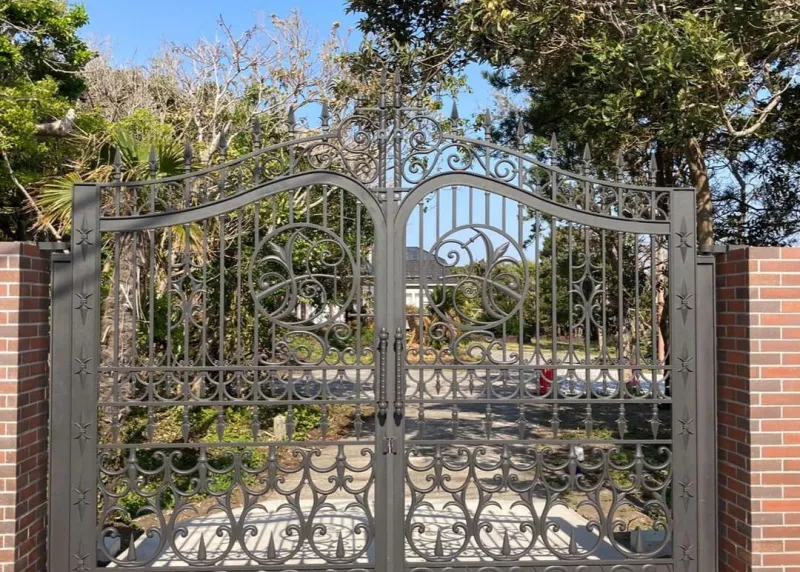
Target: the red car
(546, 377)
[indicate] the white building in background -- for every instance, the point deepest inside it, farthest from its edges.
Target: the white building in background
(422, 267)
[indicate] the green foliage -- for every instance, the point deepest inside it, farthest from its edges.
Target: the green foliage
(41, 42)
(133, 138)
(41, 56)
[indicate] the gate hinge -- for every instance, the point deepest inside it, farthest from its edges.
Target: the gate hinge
(389, 446)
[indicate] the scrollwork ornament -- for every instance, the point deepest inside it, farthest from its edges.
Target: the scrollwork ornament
(295, 263)
(478, 271)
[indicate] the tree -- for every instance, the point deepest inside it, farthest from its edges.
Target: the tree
(210, 88)
(41, 57)
(699, 84)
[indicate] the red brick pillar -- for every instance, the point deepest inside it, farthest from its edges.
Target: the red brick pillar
(24, 345)
(758, 387)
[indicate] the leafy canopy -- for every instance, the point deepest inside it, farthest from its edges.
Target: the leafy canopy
(699, 83)
(41, 56)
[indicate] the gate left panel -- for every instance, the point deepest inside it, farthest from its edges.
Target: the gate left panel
(236, 389)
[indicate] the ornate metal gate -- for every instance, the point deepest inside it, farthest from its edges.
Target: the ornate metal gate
(385, 346)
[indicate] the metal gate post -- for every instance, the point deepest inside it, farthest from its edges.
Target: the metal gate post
(707, 415)
(81, 518)
(60, 407)
(683, 379)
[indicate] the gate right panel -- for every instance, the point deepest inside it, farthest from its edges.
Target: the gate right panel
(547, 416)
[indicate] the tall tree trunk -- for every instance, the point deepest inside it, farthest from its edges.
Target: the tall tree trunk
(664, 178)
(118, 334)
(705, 208)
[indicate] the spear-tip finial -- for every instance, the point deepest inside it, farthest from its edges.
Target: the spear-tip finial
(152, 159)
(397, 84)
(520, 131)
(487, 123)
(587, 154)
(223, 143)
(653, 167)
(117, 164)
(187, 152)
(454, 114)
(620, 164)
(553, 144)
(256, 130)
(325, 115)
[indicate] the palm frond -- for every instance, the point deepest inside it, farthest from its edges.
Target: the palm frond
(55, 201)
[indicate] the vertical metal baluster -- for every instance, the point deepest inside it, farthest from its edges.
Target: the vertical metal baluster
(637, 358)
(620, 164)
(255, 391)
(570, 306)
(222, 380)
(205, 358)
(169, 292)
(653, 314)
(554, 386)
(421, 279)
(324, 189)
(358, 421)
(554, 420)
(587, 321)
(620, 309)
(238, 297)
(521, 393)
(290, 385)
(604, 301)
(151, 361)
(537, 292)
(421, 347)
(186, 311)
(115, 359)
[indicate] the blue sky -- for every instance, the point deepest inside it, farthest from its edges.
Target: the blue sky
(135, 29)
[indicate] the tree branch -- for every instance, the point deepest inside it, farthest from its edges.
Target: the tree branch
(58, 128)
(29, 198)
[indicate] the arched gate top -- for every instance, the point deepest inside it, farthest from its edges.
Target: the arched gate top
(390, 149)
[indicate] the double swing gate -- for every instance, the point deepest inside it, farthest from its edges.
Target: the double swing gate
(384, 346)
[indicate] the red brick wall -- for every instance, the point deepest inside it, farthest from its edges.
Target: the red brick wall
(758, 384)
(24, 345)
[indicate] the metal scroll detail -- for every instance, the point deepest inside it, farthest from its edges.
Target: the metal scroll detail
(322, 259)
(478, 267)
(318, 530)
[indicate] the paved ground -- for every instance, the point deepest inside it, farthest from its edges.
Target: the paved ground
(342, 520)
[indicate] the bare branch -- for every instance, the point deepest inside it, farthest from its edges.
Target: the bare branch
(763, 114)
